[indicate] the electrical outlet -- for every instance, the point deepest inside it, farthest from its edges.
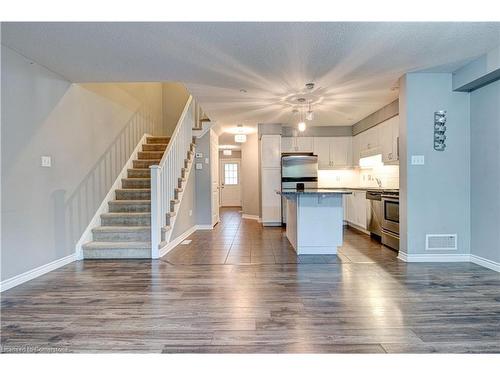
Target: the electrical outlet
(417, 160)
(46, 161)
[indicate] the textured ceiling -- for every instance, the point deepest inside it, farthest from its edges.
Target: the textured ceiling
(355, 65)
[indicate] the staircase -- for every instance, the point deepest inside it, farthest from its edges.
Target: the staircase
(125, 230)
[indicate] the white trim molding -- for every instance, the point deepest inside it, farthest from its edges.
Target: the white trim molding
(495, 266)
(250, 217)
(36, 272)
(204, 227)
(433, 257)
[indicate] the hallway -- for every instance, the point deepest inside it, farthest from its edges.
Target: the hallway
(240, 289)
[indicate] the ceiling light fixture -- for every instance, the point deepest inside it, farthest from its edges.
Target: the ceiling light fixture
(240, 137)
(302, 126)
(243, 91)
(309, 114)
(310, 85)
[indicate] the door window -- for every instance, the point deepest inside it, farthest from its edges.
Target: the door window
(231, 174)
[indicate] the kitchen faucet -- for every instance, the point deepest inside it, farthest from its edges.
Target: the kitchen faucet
(379, 183)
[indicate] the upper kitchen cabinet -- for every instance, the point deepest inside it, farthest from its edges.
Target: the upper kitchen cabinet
(389, 135)
(333, 152)
(369, 141)
(270, 146)
(297, 144)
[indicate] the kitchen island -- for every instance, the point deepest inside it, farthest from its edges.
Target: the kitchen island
(315, 219)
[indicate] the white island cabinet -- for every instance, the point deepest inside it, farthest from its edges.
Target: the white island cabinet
(314, 220)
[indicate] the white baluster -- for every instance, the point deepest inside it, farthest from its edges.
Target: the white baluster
(155, 211)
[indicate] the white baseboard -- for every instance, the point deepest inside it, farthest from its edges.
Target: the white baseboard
(251, 217)
(204, 227)
(433, 257)
(103, 208)
(36, 272)
(495, 266)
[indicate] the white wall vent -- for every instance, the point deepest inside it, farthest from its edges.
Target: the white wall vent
(440, 242)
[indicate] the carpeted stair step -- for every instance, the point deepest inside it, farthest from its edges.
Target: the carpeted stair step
(122, 234)
(157, 140)
(130, 206)
(150, 155)
(139, 173)
(116, 250)
(154, 147)
(133, 194)
(136, 183)
(126, 219)
(146, 163)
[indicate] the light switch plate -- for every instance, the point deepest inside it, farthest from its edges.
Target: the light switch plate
(199, 166)
(46, 161)
(207, 161)
(417, 160)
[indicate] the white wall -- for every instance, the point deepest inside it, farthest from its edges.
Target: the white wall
(88, 130)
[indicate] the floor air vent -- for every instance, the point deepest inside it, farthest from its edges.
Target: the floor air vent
(440, 242)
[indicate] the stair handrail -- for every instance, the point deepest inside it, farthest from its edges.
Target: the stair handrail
(165, 176)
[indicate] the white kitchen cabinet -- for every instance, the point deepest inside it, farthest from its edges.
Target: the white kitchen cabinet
(389, 134)
(305, 144)
(395, 138)
(287, 144)
(270, 146)
(297, 144)
(356, 150)
(341, 148)
(333, 152)
(369, 142)
(356, 208)
(270, 156)
(271, 201)
(322, 149)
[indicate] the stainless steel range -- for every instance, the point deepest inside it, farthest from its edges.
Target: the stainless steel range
(390, 219)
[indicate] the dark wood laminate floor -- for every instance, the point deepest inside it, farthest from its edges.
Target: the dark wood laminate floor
(240, 288)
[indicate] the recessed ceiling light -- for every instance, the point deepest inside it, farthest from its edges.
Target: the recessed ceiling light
(310, 85)
(301, 100)
(243, 91)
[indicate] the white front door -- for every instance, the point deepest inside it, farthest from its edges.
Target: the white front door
(230, 182)
(214, 175)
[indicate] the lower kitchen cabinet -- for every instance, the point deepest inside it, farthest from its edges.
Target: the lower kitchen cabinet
(356, 208)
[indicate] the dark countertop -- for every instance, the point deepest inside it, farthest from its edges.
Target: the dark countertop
(314, 191)
(366, 189)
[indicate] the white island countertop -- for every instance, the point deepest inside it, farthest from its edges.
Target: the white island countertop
(321, 191)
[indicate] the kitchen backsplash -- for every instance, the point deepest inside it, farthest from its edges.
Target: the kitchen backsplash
(388, 175)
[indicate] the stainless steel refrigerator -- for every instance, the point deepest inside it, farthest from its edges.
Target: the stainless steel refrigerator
(298, 168)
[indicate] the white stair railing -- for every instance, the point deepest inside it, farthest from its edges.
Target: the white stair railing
(165, 176)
